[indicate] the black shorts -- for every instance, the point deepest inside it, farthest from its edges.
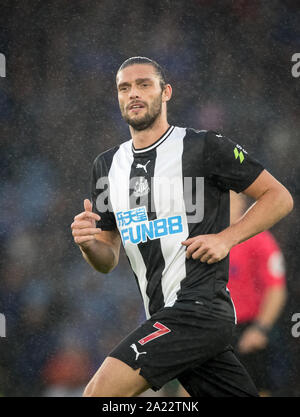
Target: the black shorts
(185, 343)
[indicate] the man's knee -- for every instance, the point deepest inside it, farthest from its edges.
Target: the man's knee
(115, 379)
(99, 387)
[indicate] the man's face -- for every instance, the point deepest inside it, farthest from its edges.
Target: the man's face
(140, 95)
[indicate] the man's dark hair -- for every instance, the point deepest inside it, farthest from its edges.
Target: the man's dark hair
(144, 60)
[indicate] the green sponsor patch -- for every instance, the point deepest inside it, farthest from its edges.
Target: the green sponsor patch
(238, 154)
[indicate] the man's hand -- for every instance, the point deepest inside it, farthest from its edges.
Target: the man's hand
(252, 340)
(84, 226)
(207, 248)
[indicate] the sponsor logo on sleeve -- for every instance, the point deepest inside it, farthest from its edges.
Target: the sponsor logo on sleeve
(239, 153)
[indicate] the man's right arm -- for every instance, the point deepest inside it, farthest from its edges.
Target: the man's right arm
(99, 248)
(103, 252)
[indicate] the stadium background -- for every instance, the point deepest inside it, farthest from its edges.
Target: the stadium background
(230, 66)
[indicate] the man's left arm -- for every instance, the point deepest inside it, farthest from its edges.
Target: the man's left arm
(273, 202)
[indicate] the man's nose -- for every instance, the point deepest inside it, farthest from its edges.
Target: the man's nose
(134, 93)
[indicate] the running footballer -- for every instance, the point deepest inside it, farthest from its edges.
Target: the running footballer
(164, 194)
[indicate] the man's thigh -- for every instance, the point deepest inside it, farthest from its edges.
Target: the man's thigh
(115, 379)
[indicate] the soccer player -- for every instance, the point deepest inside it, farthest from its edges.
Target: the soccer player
(165, 195)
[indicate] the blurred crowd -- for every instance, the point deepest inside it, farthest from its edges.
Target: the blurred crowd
(229, 63)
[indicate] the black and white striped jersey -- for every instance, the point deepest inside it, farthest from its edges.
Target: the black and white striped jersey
(161, 195)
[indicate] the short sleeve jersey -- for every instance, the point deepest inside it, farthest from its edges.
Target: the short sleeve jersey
(161, 195)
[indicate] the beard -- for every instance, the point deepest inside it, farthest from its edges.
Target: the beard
(142, 123)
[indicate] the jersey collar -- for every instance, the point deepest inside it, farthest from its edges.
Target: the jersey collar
(155, 144)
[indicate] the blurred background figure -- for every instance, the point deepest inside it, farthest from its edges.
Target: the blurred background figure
(66, 373)
(257, 286)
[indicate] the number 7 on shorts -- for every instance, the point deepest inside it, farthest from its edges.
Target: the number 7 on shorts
(162, 329)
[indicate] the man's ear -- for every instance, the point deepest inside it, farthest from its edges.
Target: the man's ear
(167, 93)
